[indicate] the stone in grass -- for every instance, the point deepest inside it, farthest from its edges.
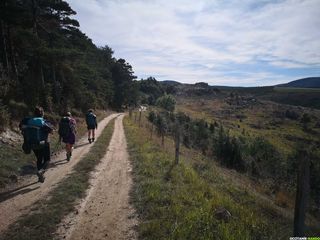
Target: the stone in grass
(222, 214)
(13, 178)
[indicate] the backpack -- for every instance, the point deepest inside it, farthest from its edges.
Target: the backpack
(91, 119)
(64, 127)
(33, 137)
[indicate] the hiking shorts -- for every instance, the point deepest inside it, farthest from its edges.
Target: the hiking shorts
(91, 127)
(71, 139)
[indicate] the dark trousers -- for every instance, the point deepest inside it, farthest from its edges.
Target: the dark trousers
(43, 156)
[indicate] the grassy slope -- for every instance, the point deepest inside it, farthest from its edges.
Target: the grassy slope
(295, 89)
(42, 222)
(179, 202)
(307, 97)
(259, 120)
(12, 158)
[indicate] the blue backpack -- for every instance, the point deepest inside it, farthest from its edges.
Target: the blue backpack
(33, 134)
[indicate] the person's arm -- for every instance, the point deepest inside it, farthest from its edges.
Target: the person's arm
(87, 120)
(74, 123)
(20, 126)
(95, 119)
(48, 127)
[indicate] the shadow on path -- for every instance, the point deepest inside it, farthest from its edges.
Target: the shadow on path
(28, 170)
(57, 163)
(18, 191)
(81, 145)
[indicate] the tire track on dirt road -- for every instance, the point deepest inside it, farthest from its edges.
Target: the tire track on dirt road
(19, 201)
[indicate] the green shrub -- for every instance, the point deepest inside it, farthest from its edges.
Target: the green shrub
(166, 102)
(76, 113)
(18, 109)
(4, 116)
(52, 118)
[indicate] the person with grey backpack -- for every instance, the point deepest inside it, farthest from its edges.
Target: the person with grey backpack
(67, 132)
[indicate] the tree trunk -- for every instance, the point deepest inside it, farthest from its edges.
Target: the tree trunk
(140, 112)
(301, 196)
(151, 130)
(162, 139)
(34, 17)
(5, 60)
(14, 69)
(42, 77)
(5, 82)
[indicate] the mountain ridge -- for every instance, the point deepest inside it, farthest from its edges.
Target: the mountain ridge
(309, 82)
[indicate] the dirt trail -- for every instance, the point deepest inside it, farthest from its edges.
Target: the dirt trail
(106, 213)
(18, 201)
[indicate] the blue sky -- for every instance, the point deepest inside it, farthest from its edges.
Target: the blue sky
(234, 43)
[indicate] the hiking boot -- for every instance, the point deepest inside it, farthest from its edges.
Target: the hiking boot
(92, 139)
(89, 139)
(40, 174)
(68, 156)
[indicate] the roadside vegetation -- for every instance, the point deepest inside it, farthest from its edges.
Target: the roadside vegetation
(193, 199)
(42, 222)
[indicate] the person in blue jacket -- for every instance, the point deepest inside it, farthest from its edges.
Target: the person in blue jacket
(36, 131)
(91, 120)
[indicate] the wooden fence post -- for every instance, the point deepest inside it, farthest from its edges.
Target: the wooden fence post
(140, 112)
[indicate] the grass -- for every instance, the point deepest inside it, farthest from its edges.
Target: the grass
(179, 201)
(12, 158)
(43, 221)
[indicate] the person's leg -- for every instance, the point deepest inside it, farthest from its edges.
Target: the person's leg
(89, 135)
(71, 149)
(68, 150)
(43, 158)
(93, 135)
(38, 154)
(46, 156)
(72, 142)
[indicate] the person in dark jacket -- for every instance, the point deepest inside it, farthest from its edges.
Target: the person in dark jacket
(91, 120)
(36, 132)
(68, 133)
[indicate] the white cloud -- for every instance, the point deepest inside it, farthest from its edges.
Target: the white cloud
(192, 41)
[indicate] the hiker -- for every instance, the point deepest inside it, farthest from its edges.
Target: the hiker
(91, 121)
(35, 132)
(67, 133)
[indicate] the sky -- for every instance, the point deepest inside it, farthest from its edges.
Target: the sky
(221, 42)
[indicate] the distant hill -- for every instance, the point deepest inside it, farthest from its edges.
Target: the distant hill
(311, 82)
(170, 82)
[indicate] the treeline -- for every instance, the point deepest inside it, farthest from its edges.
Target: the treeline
(254, 156)
(45, 59)
(151, 90)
